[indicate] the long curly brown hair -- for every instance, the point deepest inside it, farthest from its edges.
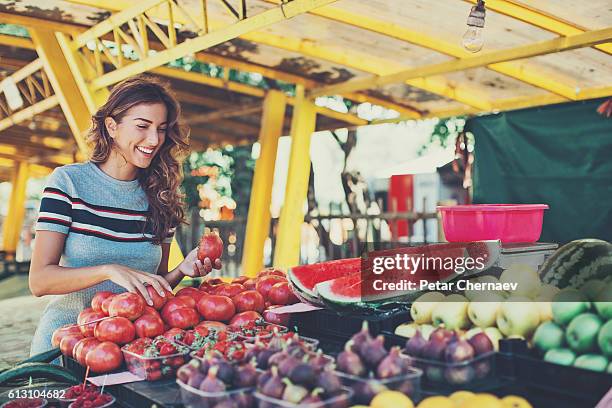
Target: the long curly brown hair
(161, 180)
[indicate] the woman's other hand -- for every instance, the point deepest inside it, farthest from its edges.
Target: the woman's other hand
(136, 281)
(193, 267)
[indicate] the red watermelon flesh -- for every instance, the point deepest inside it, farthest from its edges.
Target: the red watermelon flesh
(304, 278)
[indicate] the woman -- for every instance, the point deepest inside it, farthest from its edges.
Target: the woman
(107, 224)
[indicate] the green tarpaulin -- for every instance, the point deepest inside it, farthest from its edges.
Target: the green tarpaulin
(560, 155)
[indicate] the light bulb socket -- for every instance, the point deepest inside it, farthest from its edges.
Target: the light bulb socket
(477, 15)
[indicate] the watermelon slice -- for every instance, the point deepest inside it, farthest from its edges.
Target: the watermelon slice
(304, 278)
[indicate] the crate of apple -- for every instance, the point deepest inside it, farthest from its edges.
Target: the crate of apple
(368, 368)
(154, 359)
(213, 382)
(449, 360)
(295, 382)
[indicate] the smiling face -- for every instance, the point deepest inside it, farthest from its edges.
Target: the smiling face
(139, 135)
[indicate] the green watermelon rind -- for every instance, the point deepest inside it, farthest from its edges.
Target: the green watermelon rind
(577, 262)
(305, 295)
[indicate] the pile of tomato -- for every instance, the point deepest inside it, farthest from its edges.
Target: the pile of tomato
(114, 320)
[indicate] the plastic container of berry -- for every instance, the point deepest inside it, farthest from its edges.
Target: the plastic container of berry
(155, 359)
(25, 403)
(256, 330)
(341, 400)
(365, 388)
(108, 401)
(232, 351)
(74, 392)
(194, 398)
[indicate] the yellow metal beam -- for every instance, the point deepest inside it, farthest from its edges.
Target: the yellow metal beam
(541, 48)
(287, 251)
(29, 112)
(16, 210)
(538, 18)
(518, 70)
(72, 101)
(259, 217)
(14, 41)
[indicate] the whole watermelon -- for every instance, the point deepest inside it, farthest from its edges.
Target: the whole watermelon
(577, 262)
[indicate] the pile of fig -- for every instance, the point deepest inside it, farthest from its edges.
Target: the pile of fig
(220, 384)
(448, 357)
(302, 383)
(267, 352)
(369, 368)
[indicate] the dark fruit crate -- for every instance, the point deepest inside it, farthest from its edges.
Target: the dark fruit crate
(334, 329)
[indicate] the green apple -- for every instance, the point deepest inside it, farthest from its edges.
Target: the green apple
(471, 294)
(518, 316)
(548, 336)
(604, 339)
(495, 335)
(603, 302)
(451, 312)
(525, 276)
(595, 362)
(581, 333)
(561, 356)
(421, 308)
(483, 308)
(547, 292)
(567, 304)
(591, 288)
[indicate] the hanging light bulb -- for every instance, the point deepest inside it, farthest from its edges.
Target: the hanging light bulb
(473, 40)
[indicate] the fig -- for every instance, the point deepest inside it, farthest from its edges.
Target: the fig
(391, 365)
(263, 378)
(372, 352)
(287, 365)
(442, 334)
(318, 361)
(329, 382)
(434, 349)
(366, 390)
(263, 357)
(188, 370)
(246, 376)
(225, 372)
(415, 344)
(274, 387)
(294, 393)
(481, 343)
(244, 400)
(482, 369)
(458, 351)
(303, 374)
(228, 403)
(459, 375)
(277, 358)
(313, 398)
(362, 336)
(406, 387)
(349, 362)
(196, 379)
(211, 383)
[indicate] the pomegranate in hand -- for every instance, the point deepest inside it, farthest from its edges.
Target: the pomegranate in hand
(211, 246)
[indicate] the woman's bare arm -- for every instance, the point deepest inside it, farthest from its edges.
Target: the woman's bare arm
(48, 278)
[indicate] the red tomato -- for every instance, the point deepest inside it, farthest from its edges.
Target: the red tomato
(280, 294)
(271, 317)
(158, 301)
(105, 357)
(264, 284)
(83, 313)
(193, 293)
(87, 330)
(81, 349)
(149, 326)
(241, 279)
(229, 290)
(116, 329)
(182, 318)
(177, 303)
(150, 310)
(172, 333)
(249, 300)
(99, 298)
(68, 342)
(249, 284)
(209, 284)
(106, 303)
(214, 307)
(243, 318)
(60, 332)
(218, 326)
(211, 246)
(128, 305)
(271, 271)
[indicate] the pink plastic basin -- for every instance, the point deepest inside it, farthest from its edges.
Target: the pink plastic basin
(506, 222)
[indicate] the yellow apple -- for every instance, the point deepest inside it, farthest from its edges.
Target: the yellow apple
(421, 309)
(452, 313)
(406, 329)
(525, 276)
(482, 310)
(495, 335)
(518, 316)
(471, 294)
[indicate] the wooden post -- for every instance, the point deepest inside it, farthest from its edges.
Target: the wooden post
(16, 211)
(259, 217)
(287, 252)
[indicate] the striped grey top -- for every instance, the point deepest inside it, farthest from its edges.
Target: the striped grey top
(104, 222)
